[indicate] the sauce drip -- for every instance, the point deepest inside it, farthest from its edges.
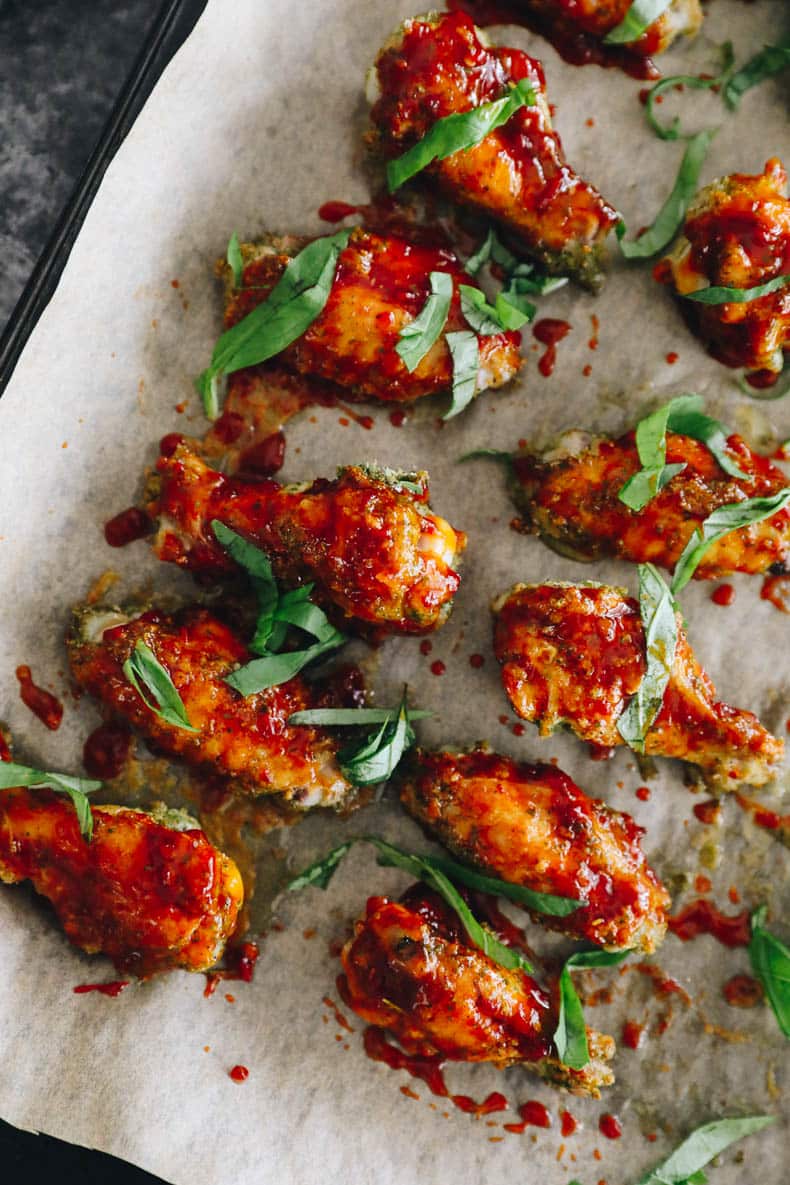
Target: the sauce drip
(761, 817)
(568, 1124)
(533, 1114)
(708, 811)
(776, 589)
(264, 458)
(609, 1126)
(42, 703)
(476, 661)
(240, 961)
(239, 1073)
(632, 1034)
(105, 751)
(397, 418)
(723, 595)
(549, 331)
(337, 211)
(428, 1069)
(702, 917)
(438, 667)
(743, 991)
(340, 1018)
(600, 752)
(127, 526)
(642, 793)
(113, 990)
(761, 380)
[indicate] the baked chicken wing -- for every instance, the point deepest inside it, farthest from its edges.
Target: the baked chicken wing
(148, 890)
(570, 498)
(411, 970)
(245, 739)
(531, 825)
(439, 66)
(381, 284)
(373, 548)
(737, 235)
(564, 20)
(575, 654)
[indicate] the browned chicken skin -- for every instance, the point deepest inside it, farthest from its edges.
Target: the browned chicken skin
(563, 19)
(149, 894)
(410, 969)
(571, 501)
(374, 549)
(531, 825)
(244, 740)
(574, 654)
(439, 66)
(737, 235)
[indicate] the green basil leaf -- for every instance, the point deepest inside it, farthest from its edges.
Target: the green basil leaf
(347, 717)
(488, 454)
(639, 17)
(546, 903)
(687, 419)
(670, 217)
(289, 310)
(320, 872)
(699, 1149)
(765, 64)
(643, 486)
(570, 1037)
(657, 609)
(721, 522)
(378, 756)
(235, 261)
(715, 295)
(487, 319)
(306, 616)
(771, 964)
(273, 669)
(417, 337)
(143, 669)
(692, 82)
(77, 789)
(245, 554)
(483, 254)
(465, 353)
(457, 132)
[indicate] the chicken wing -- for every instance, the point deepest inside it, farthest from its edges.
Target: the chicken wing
(440, 66)
(372, 547)
(564, 20)
(246, 740)
(531, 825)
(381, 284)
(410, 969)
(575, 654)
(737, 235)
(148, 890)
(570, 498)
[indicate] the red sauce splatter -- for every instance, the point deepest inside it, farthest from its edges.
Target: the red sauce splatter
(503, 720)
(762, 379)
(336, 211)
(702, 917)
(642, 793)
(708, 811)
(600, 752)
(113, 990)
(609, 1126)
(568, 1124)
(240, 961)
(734, 895)
(632, 1034)
(426, 646)
(533, 1114)
(340, 1018)
(476, 661)
(743, 991)
(760, 816)
(105, 751)
(438, 667)
(493, 1102)
(127, 526)
(398, 418)
(593, 342)
(265, 458)
(239, 1073)
(42, 703)
(428, 1069)
(518, 730)
(410, 1094)
(672, 357)
(723, 595)
(549, 331)
(776, 589)
(5, 752)
(703, 884)
(663, 984)
(587, 370)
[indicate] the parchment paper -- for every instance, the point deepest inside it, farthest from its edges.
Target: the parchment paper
(254, 124)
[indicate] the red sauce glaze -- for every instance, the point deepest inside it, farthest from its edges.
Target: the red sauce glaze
(113, 990)
(632, 1034)
(568, 1124)
(642, 793)
(533, 1114)
(105, 751)
(240, 962)
(672, 357)
(549, 331)
(761, 380)
(264, 458)
(239, 1073)
(492, 1102)
(743, 991)
(723, 595)
(398, 418)
(776, 589)
(169, 443)
(42, 703)
(599, 752)
(708, 811)
(476, 661)
(5, 752)
(127, 526)
(609, 1126)
(702, 917)
(438, 667)
(336, 211)
(428, 1069)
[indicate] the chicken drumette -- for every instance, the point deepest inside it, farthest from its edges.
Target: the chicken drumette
(570, 498)
(372, 546)
(439, 66)
(575, 655)
(148, 890)
(246, 740)
(410, 969)
(531, 825)
(578, 21)
(737, 235)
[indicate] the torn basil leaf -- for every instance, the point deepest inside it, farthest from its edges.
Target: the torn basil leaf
(691, 82)
(716, 295)
(457, 132)
(721, 522)
(417, 337)
(350, 717)
(377, 758)
(570, 1037)
(770, 960)
(699, 1149)
(769, 61)
(639, 17)
(488, 319)
(670, 217)
(144, 670)
(657, 610)
(273, 669)
(235, 261)
(465, 353)
(546, 903)
(77, 789)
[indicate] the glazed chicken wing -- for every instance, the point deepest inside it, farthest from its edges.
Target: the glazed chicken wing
(517, 176)
(570, 499)
(737, 235)
(145, 891)
(381, 284)
(575, 654)
(410, 969)
(372, 547)
(246, 740)
(563, 20)
(531, 825)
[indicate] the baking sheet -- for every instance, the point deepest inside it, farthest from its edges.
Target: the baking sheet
(254, 124)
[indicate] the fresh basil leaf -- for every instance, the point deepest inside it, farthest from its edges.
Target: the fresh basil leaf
(639, 17)
(378, 756)
(546, 903)
(320, 872)
(765, 64)
(235, 261)
(691, 82)
(77, 789)
(488, 454)
(487, 319)
(244, 553)
(417, 337)
(289, 310)
(457, 132)
(273, 669)
(715, 295)
(483, 254)
(308, 617)
(657, 609)
(144, 668)
(570, 1037)
(721, 522)
(699, 1149)
(643, 486)
(465, 353)
(770, 960)
(347, 717)
(687, 419)
(670, 217)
